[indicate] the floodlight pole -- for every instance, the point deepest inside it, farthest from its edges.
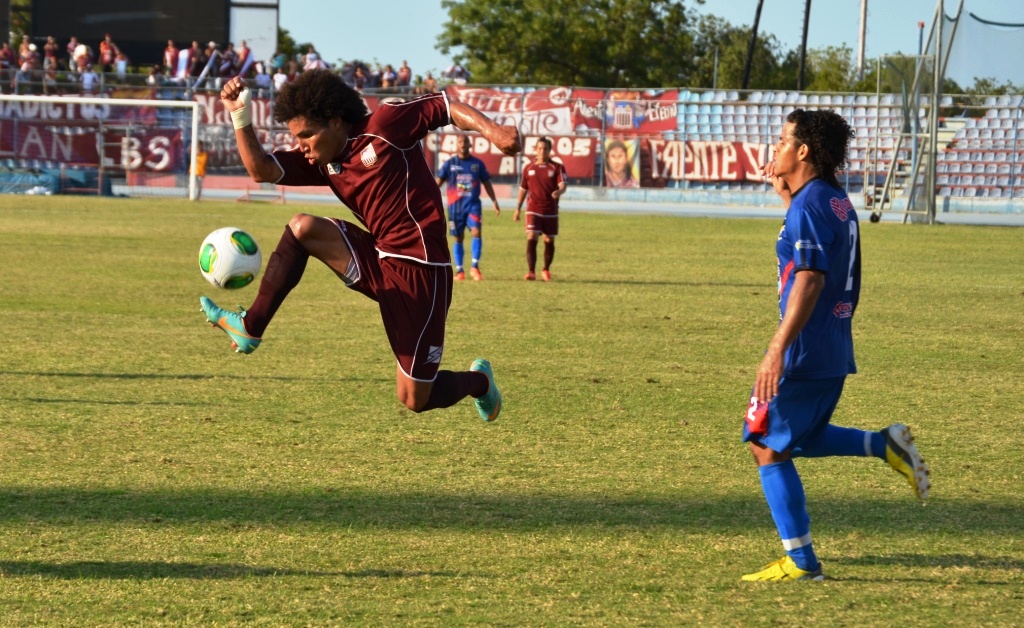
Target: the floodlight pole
(803, 47)
(933, 112)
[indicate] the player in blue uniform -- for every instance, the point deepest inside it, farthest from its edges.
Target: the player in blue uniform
(464, 174)
(801, 376)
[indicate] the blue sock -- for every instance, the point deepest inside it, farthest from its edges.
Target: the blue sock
(842, 441)
(476, 246)
(785, 495)
(460, 252)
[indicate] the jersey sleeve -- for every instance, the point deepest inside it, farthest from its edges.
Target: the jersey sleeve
(811, 241)
(297, 170)
(484, 174)
(410, 121)
(443, 172)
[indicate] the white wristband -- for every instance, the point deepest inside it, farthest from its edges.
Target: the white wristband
(242, 117)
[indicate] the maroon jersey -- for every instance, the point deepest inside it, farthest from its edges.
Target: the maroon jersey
(383, 177)
(540, 180)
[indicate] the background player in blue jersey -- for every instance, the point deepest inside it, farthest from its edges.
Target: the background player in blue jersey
(801, 376)
(464, 173)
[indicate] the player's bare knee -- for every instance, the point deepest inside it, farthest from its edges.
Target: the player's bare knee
(301, 225)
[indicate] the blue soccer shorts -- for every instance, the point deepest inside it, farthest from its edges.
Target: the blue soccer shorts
(802, 409)
(461, 216)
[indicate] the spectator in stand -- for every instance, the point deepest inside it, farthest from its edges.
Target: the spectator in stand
(8, 60)
(359, 79)
(29, 65)
(170, 58)
(121, 66)
(108, 53)
(244, 63)
(292, 68)
(458, 74)
(25, 50)
(50, 50)
(389, 78)
(185, 56)
(280, 78)
(155, 78)
(404, 75)
(71, 47)
(82, 57)
(50, 80)
(278, 60)
(313, 61)
(90, 80)
(228, 62)
(199, 57)
(263, 83)
(429, 84)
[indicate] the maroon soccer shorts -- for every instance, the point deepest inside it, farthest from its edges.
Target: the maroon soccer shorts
(413, 299)
(548, 225)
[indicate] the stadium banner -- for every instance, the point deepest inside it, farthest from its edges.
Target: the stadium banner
(577, 154)
(676, 160)
(548, 111)
(143, 149)
(641, 112)
(214, 111)
(72, 113)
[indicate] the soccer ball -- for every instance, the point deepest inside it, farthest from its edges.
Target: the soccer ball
(230, 258)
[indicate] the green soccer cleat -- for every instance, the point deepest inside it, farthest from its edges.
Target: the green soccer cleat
(489, 406)
(902, 456)
(783, 569)
(232, 324)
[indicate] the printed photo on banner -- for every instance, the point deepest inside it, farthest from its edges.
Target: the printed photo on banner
(621, 163)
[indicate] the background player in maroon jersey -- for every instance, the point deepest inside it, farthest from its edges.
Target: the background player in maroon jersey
(375, 165)
(544, 182)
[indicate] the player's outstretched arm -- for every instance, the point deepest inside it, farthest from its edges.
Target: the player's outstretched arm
(261, 166)
(505, 137)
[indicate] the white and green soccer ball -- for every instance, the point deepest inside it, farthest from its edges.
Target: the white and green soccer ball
(230, 258)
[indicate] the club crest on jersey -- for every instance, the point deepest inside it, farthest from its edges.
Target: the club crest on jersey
(368, 156)
(334, 168)
(841, 207)
(843, 309)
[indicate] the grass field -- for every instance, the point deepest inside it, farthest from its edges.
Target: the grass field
(150, 476)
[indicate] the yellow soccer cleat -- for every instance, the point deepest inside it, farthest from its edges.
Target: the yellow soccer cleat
(902, 456)
(783, 569)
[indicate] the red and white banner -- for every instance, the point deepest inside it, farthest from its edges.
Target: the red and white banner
(641, 112)
(577, 154)
(143, 149)
(549, 111)
(676, 160)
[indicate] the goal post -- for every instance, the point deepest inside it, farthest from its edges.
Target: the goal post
(130, 136)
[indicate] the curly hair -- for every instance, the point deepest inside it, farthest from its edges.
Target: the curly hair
(319, 96)
(827, 135)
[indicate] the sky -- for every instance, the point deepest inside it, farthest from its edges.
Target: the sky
(389, 31)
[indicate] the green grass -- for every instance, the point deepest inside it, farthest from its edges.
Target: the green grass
(150, 476)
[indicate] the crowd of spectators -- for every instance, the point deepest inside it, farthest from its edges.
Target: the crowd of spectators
(79, 68)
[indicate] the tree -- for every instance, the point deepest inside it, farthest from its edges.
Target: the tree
(831, 69)
(595, 43)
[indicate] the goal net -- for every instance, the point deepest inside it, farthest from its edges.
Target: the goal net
(92, 145)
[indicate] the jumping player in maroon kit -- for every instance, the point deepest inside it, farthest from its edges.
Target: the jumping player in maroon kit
(375, 166)
(544, 181)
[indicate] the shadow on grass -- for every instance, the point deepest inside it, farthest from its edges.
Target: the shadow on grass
(135, 570)
(189, 376)
(944, 561)
(694, 511)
